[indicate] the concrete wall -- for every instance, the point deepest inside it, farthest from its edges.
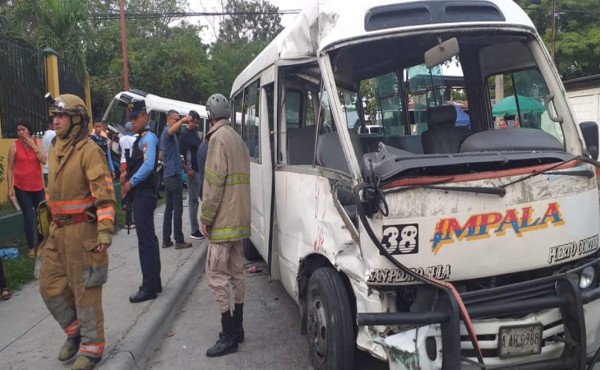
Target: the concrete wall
(586, 104)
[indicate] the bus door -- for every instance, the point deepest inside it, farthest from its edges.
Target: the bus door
(253, 121)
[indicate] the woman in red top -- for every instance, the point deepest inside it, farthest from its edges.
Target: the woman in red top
(25, 182)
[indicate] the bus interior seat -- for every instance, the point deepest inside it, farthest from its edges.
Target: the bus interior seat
(442, 136)
(330, 154)
(301, 145)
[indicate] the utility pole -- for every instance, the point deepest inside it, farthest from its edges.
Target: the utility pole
(553, 34)
(124, 46)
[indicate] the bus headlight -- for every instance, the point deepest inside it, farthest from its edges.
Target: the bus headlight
(587, 277)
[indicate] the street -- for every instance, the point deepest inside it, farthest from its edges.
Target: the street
(271, 324)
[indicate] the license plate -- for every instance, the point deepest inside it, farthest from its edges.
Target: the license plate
(523, 340)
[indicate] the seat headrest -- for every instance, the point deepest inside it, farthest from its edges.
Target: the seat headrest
(443, 115)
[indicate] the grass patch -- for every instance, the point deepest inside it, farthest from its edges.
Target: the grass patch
(6, 209)
(20, 270)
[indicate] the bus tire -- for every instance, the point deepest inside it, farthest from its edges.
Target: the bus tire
(250, 251)
(329, 322)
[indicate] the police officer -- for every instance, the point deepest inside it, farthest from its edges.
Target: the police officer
(225, 220)
(81, 198)
(140, 185)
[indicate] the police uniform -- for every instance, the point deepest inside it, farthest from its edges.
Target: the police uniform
(81, 197)
(140, 173)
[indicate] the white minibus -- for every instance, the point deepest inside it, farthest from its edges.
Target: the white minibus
(451, 245)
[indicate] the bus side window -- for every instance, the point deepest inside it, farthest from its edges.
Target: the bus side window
(251, 122)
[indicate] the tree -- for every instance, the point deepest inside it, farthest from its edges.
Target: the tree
(57, 24)
(241, 38)
(165, 57)
(260, 23)
(577, 40)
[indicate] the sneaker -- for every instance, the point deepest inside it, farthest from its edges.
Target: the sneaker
(197, 235)
(167, 243)
(183, 245)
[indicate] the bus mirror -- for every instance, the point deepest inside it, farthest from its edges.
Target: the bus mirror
(589, 129)
(442, 52)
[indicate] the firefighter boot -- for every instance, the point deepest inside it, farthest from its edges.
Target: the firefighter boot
(69, 348)
(85, 363)
(227, 342)
(238, 318)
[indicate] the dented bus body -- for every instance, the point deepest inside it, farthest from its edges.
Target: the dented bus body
(432, 243)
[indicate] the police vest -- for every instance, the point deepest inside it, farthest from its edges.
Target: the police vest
(136, 160)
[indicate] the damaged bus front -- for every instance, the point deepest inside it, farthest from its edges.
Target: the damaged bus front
(464, 232)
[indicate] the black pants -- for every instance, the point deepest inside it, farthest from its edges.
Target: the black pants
(29, 200)
(2, 278)
(144, 203)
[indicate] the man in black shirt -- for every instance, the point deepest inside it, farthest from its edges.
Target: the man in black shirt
(189, 141)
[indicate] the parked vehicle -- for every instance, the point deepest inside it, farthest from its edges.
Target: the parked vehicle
(451, 246)
(157, 107)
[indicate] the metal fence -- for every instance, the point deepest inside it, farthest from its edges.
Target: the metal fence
(22, 88)
(70, 79)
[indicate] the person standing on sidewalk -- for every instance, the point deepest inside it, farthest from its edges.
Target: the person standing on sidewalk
(126, 142)
(225, 220)
(189, 141)
(25, 183)
(138, 182)
(172, 179)
(49, 134)
(81, 198)
(99, 137)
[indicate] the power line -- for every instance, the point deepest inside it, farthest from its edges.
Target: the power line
(187, 14)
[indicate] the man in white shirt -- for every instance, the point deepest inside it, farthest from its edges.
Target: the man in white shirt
(126, 142)
(46, 142)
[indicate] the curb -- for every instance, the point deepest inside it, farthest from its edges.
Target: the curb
(146, 335)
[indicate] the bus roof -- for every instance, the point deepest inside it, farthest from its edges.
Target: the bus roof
(164, 104)
(324, 23)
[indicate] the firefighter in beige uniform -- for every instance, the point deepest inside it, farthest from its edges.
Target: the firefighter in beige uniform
(225, 220)
(81, 198)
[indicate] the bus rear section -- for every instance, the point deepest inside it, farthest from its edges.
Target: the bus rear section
(444, 238)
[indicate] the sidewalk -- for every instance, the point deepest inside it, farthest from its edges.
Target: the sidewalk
(30, 338)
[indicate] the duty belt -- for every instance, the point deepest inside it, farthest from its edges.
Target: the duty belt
(62, 220)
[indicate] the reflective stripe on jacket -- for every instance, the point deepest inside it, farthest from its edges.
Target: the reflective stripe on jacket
(79, 181)
(226, 187)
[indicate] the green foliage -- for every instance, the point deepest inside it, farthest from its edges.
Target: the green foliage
(577, 40)
(61, 25)
(20, 270)
(166, 55)
(241, 39)
(250, 28)
(367, 91)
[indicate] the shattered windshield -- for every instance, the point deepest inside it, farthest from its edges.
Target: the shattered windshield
(458, 116)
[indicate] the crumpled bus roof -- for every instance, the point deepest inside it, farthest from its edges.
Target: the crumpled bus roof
(324, 23)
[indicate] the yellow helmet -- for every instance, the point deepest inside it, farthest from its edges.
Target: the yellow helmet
(69, 104)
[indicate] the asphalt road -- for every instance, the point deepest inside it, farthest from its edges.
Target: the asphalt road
(271, 324)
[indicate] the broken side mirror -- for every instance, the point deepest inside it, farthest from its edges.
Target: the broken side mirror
(589, 129)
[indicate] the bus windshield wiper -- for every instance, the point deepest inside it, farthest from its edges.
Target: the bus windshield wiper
(584, 173)
(549, 170)
(471, 189)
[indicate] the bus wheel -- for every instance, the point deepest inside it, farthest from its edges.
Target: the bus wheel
(329, 322)
(250, 251)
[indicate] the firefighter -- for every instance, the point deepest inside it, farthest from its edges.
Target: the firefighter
(225, 220)
(81, 198)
